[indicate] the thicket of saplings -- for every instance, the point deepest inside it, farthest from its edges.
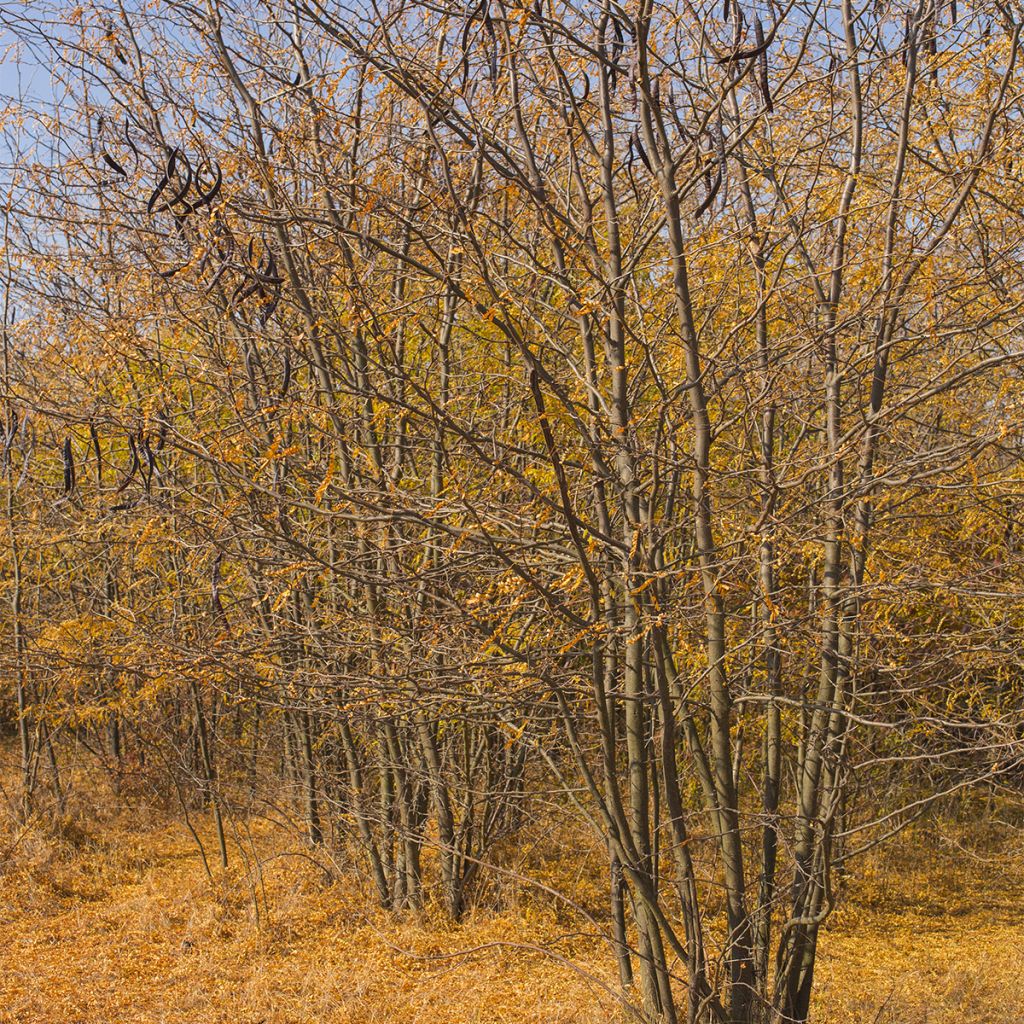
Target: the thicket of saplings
(451, 430)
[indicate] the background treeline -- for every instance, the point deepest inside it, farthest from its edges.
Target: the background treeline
(424, 420)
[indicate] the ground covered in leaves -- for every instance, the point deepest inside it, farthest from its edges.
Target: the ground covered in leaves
(112, 920)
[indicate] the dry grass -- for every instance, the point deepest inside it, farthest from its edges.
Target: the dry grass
(115, 922)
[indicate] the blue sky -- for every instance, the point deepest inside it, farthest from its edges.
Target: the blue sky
(24, 71)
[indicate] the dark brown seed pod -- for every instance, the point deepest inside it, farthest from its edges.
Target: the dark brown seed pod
(206, 196)
(150, 462)
(268, 309)
(168, 274)
(620, 43)
(134, 467)
(115, 166)
(9, 437)
(131, 144)
(69, 467)
(221, 270)
(762, 61)
(711, 189)
(287, 378)
(172, 165)
(99, 453)
(493, 49)
(640, 151)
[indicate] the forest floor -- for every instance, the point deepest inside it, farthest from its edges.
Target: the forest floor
(114, 921)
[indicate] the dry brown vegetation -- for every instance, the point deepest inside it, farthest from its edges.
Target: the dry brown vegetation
(536, 486)
(109, 916)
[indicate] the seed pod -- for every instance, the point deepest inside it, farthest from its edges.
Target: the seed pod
(489, 25)
(762, 60)
(99, 454)
(287, 379)
(115, 166)
(159, 190)
(641, 152)
(131, 145)
(619, 45)
(270, 306)
(150, 462)
(711, 188)
(69, 467)
(205, 198)
(134, 467)
(172, 165)
(266, 272)
(168, 274)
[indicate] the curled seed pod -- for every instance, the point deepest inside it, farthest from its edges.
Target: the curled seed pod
(157, 192)
(762, 61)
(246, 287)
(131, 144)
(207, 196)
(266, 272)
(69, 467)
(168, 274)
(221, 270)
(620, 43)
(150, 462)
(222, 231)
(269, 307)
(173, 156)
(711, 188)
(99, 453)
(493, 50)
(640, 151)
(287, 378)
(183, 189)
(115, 166)
(134, 467)
(467, 28)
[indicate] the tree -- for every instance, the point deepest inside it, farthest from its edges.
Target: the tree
(536, 393)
